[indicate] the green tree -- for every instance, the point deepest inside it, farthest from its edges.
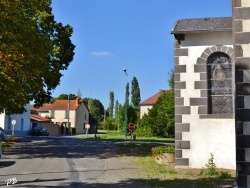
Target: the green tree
(127, 94)
(117, 115)
(95, 107)
(67, 96)
(160, 119)
(131, 114)
(34, 49)
(111, 104)
(161, 116)
(117, 106)
(135, 94)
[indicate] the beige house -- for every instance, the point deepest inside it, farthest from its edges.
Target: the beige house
(71, 114)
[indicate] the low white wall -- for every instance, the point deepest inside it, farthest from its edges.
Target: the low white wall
(206, 136)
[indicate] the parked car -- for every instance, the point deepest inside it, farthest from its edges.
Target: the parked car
(39, 131)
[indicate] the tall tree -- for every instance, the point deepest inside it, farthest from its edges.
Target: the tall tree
(117, 114)
(135, 94)
(95, 107)
(111, 104)
(131, 115)
(117, 106)
(127, 94)
(34, 49)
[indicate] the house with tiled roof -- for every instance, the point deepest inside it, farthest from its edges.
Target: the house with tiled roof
(147, 104)
(73, 115)
(38, 118)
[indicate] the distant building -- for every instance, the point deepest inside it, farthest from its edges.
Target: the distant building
(37, 120)
(147, 104)
(22, 122)
(73, 115)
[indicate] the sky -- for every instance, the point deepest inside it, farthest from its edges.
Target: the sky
(113, 35)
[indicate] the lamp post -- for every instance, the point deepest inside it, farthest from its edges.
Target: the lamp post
(126, 106)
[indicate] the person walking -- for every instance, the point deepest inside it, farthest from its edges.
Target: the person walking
(2, 138)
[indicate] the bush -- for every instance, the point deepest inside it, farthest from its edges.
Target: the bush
(162, 149)
(144, 131)
(110, 124)
(100, 126)
(160, 118)
(225, 175)
(211, 166)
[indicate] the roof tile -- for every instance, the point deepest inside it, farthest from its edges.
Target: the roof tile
(202, 24)
(153, 99)
(39, 118)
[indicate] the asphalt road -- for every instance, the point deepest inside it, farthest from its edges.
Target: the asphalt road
(55, 162)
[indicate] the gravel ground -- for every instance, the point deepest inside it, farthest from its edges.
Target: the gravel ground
(106, 164)
(119, 172)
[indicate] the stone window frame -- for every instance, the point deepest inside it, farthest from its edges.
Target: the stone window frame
(202, 85)
(219, 84)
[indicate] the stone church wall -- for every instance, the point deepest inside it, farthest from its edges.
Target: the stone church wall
(241, 31)
(198, 134)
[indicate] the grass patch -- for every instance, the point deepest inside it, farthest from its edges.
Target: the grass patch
(158, 175)
(10, 141)
(118, 136)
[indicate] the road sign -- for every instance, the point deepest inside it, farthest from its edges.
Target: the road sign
(131, 127)
(13, 122)
(87, 126)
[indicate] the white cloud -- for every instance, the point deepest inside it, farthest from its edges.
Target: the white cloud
(101, 54)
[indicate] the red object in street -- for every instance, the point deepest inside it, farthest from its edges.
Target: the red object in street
(131, 127)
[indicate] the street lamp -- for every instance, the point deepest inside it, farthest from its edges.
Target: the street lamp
(126, 108)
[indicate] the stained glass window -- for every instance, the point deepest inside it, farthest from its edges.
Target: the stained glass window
(219, 71)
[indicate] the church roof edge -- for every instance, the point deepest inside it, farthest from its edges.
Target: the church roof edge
(194, 25)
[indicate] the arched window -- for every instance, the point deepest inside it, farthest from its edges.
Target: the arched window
(219, 72)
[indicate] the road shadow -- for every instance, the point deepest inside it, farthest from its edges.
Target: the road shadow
(4, 164)
(71, 147)
(59, 147)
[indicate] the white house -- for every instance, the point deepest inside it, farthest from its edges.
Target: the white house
(22, 122)
(64, 112)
